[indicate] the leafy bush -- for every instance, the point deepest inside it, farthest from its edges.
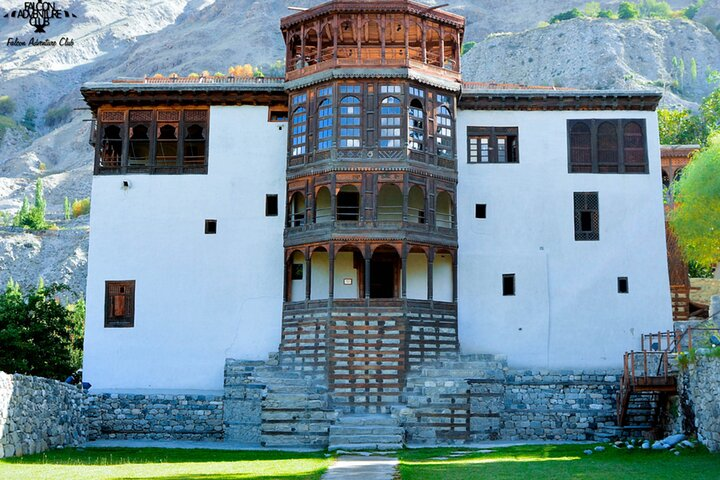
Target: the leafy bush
(628, 11)
(39, 335)
(33, 217)
(698, 271)
(570, 14)
(680, 127)
(592, 9)
(57, 116)
(606, 14)
(28, 120)
(81, 207)
(7, 105)
(655, 9)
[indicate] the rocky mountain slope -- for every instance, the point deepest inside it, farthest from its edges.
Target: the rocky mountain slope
(119, 38)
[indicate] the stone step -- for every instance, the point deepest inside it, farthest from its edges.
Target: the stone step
(367, 420)
(357, 447)
(298, 415)
(365, 439)
(293, 440)
(340, 430)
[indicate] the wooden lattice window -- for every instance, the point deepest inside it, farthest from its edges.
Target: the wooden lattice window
(299, 132)
(390, 121)
(120, 304)
(587, 216)
(140, 129)
(325, 124)
(580, 148)
(607, 146)
(493, 145)
(416, 125)
(195, 139)
(111, 146)
(444, 131)
(350, 121)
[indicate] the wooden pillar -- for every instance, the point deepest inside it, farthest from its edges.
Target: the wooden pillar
(454, 277)
(406, 196)
(442, 47)
(381, 24)
(368, 258)
(407, 39)
(308, 274)
(302, 46)
(358, 29)
(333, 199)
(318, 52)
(336, 32)
(403, 272)
(424, 43)
(331, 273)
(431, 260)
(458, 50)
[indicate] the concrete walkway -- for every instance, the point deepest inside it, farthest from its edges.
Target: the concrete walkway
(362, 468)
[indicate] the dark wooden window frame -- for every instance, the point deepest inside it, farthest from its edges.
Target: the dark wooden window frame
(122, 119)
(623, 285)
(596, 167)
(271, 205)
(119, 304)
(586, 204)
(493, 133)
(508, 285)
(210, 226)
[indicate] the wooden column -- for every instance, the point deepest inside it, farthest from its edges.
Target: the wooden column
(308, 274)
(368, 258)
(424, 43)
(318, 52)
(302, 46)
(331, 273)
(407, 39)
(403, 273)
(454, 277)
(431, 260)
(442, 47)
(382, 38)
(335, 37)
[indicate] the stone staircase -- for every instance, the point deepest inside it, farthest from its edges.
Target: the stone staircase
(354, 432)
(454, 400)
(289, 408)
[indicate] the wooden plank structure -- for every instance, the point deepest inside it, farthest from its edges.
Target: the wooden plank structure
(679, 278)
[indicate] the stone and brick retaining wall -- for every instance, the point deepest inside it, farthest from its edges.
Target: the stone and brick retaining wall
(37, 414)
(699, 387)
(125, 416)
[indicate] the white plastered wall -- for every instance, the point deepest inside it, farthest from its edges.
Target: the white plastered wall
(567, 312)
(199, 298)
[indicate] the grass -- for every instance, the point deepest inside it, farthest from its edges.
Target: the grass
(157, 464)
(559, 462)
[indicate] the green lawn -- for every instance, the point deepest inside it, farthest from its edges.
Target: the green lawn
(558, 463)
(156, 464)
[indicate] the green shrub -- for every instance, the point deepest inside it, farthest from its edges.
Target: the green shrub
(81, 207)
(33, 217)
(7, 105)
(28, 120)
(467, 46)
(606, 14)
(57, 116)
(570, 14)
(655, 9)
(680, 127)
(39, 335)
(592, 9)
(628, 11)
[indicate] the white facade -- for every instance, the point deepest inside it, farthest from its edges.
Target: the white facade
(203, 298)
(199, 298)
(567, 312)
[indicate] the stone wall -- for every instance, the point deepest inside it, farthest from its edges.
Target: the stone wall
(699, 387)
(124, 416)
(37, 414)
(545, 405)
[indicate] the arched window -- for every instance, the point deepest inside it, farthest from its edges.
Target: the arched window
(349, 122)
(296, 212)
(443, 210)
(311, 41)
(634, 148)
(416, 124)
(194, 146)
(111, 148)
(323, 209)
(296, 277)
(139, 145)
(416, 205)
(580, 148)
(390, 204)
(348, 204)
(299, 131)
(607, 140)
(444, 121)
(325, 124)
(390, 121)
(167, 146)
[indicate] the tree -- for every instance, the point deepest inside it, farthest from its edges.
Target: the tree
(592, 9)
(693, 69)
(39, 335)
(696, 217)
(680, 127)
(33, 218)
(710, 110)
(655, 9)
(570, 14)
(28, 120)
(606, 14)
(628, 11)
(7, 105)
(67, 210)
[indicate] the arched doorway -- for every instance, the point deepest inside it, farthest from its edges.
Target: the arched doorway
(385, 267)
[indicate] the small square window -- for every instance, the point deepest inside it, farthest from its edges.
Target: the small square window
(271, 205)
(210, 227)
(623, 286)
(120, 304)
(480, 210)
(508, 285)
